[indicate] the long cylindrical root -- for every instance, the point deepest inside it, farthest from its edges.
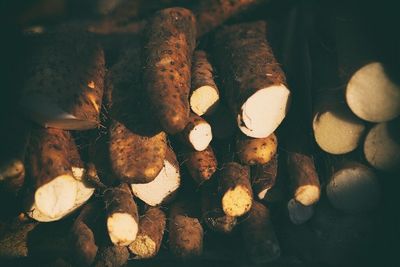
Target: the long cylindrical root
(122, 215)
(151, 231)
(185, 231)
(163, 188)
(83, 240)
(201, 164)
(204, 93)
(197, 133)
(235, 188)
(353, 187)
(210, 14)
(259, 236)
(137, 145)
(54, 185)
(65, 86)
(382, 146)
(263, 177)
(112, 256)
(170, 40)
(304, 178)
(371, 91)
(254, 83)
(253, 151)
(212, 213)
(298, 213)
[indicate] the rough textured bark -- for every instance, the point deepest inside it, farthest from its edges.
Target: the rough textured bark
(164, 187)
(252, 151)
(263, 177)
(112, 256)
(185, 231)
(304, 178)
(201, 164)
(83, 240)
(197, 133)
(64, 87)
(122, 215)
(259, 237)
(151, 230)
(137, 145)
(169, 42)
(210, 13)
(204, 93)
(235, 188)
(254, 83)
(212, 213)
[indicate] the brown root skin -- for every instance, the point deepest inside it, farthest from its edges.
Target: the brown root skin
(201, 164)
(50, 169)
(122, 215)
(53, 101)
(354, 188)
(185, 231)
(212, 213)
(197, 133)
(151, 231)
(169, 42)
(263, 177)
(137, 145)
(164, 187)
(112, 256)
(304, 178)
(211, 14)
(235, 189)
(82, 236)
(204, 93)
(259, 237)
(255, 151)
(247, 88)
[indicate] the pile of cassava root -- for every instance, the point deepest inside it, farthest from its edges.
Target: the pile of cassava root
(152, 133)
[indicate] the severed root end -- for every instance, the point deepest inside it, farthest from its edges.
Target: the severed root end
(122, 228)
(12, 168)
(200, 136)
(307, 194)
(143, 247)
(299, 213)
(56, 197)
(264, 111)
(372, 95)
(263, 193)
(204, 100)
(237, 201)
(338, 130)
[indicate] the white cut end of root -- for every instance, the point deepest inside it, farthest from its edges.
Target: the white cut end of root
(307, 194)
(157, 191)
(204, 100)
(337, 131)
(236, 201)
(261, 195)
(380, 148)
(57, 196)
(122, 228)
(200, 136)
(264, 111)
(45, 112)
(372, 95)
(299, 213)
(143, 247)
(354, 189)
